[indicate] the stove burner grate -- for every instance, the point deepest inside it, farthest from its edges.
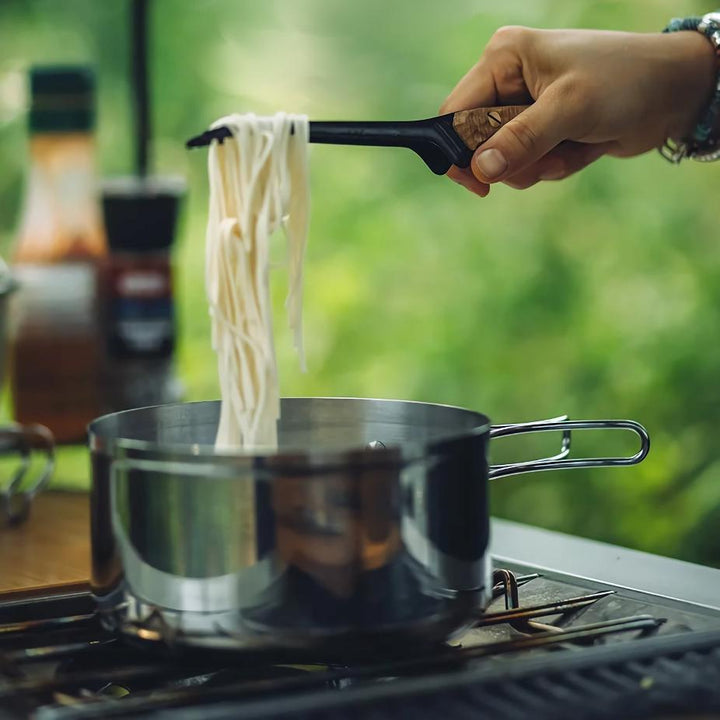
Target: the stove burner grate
(663, 676)
(96, 676)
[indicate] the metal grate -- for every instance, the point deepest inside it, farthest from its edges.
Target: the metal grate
(659, 676)
(537, 670)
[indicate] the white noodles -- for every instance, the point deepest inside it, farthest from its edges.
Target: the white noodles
(258, 183)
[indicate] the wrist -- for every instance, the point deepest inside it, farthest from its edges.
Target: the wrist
(692, 74)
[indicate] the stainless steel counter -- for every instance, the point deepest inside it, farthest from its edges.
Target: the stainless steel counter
(553, 554)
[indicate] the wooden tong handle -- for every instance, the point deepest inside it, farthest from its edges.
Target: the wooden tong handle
(475, 126)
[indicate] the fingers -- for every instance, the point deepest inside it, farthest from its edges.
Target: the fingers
(524, 140)
(475, 89)
(497, 77)
(464, 177)
(561, 162)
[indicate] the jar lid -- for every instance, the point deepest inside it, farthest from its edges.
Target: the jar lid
(63, 98)
(141, 213)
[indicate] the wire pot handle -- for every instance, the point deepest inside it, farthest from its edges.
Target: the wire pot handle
(15, 500)
(561, 462)
(564, 444)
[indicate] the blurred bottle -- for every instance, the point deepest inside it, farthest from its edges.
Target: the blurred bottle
(56, 350)
(139, 307)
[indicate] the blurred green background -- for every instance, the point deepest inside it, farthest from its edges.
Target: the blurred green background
(598, 296)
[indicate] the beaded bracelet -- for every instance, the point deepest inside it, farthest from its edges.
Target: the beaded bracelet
(701, 146)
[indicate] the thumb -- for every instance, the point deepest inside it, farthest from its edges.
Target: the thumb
(521, 142)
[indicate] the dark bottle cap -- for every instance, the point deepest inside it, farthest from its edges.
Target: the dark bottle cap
(63, 99)
(141, 214)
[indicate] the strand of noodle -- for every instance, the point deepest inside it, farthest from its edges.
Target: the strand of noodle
(222, 265)
(234, 353)
(297, 231)
(259, 282)
(239, 357)
(267, 220)
(257, 260)
(267, 217)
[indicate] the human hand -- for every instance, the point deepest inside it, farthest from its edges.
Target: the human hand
(593, 93)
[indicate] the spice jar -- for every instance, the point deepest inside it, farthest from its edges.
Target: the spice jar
(138, 298)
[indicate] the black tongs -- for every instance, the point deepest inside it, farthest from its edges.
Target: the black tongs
(440, 141)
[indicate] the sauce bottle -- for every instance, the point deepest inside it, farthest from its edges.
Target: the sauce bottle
(56, 350)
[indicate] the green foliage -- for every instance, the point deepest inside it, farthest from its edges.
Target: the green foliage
(598, 296)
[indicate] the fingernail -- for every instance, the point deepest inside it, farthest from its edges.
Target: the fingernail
(491, 163)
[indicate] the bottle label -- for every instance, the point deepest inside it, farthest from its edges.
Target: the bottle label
(141, 319)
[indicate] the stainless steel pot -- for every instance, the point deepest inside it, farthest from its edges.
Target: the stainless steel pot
(369, 523)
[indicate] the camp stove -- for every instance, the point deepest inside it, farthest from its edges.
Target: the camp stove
(576, 629)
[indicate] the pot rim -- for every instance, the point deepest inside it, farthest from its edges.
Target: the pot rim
(293, 459)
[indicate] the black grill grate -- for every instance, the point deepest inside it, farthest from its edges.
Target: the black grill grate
(649, 669)
(675, 675)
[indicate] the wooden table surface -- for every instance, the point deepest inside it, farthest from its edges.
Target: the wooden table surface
(51, 547)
